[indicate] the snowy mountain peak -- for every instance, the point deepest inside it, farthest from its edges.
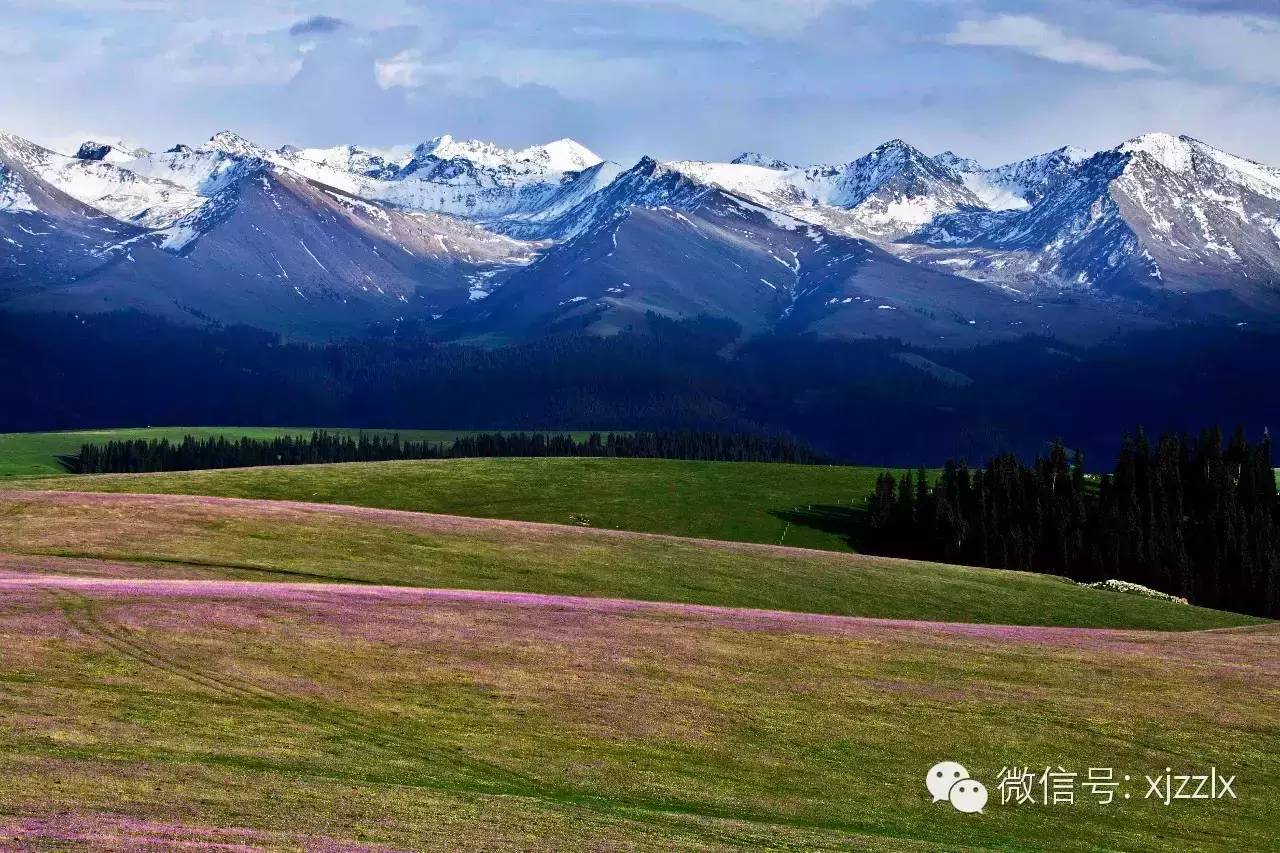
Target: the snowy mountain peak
(899, 163)
(1218, 176)
(902, 164)
(1072, 153)
(234, 144)
(952, 160)
(565, 155)
(1016, 186)
(896, 150)
(350, 159)
(111, 152)
(445, 147)
(562, 155)
(647, 165)
(1172, 152)
(1207, 168)
(752, 158)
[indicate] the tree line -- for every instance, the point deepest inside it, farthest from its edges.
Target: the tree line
(191, 453)
(1197, 518)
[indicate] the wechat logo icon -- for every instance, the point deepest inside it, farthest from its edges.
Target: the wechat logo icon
(948, 781)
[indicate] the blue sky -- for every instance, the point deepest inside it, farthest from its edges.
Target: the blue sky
(803, 80)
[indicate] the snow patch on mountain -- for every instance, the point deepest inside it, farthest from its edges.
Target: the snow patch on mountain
(13, 197)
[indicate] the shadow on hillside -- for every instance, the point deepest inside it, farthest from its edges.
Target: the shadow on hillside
(847, 522)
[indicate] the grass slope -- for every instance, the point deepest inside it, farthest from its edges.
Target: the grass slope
(182, 536)
(211, 715)
(741, 501)
(35, 454)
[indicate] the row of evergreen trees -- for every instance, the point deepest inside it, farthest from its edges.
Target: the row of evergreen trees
(1191, 517)
(681, 444)
(191, 453)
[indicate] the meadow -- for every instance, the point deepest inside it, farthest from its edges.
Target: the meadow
(391, 656)
(220, 715)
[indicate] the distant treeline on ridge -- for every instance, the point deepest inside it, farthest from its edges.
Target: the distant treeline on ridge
(1195, 518)
(191, 453)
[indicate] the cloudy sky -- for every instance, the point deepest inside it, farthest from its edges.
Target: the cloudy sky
(804, 80)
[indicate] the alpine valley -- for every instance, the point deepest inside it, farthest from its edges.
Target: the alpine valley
(492, 244)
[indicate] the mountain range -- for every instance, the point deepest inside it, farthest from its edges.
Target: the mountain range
(486, 244)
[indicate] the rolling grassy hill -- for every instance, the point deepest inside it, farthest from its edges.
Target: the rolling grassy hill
(200, 537)
(205, 672)
(801, 505)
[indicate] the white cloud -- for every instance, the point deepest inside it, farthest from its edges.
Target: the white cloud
(1034, 37)
(769, 17)
(405, 70)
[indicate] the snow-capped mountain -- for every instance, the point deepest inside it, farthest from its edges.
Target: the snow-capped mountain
(47, 237)
(224, 232)
(113, 152)
(535, 162)
(350, 159)
(102, 183)
(751, 158)
(495, 241)
(885, 194)
(1015, 186)
(660, 240)
(1158, 215)
(508, 190)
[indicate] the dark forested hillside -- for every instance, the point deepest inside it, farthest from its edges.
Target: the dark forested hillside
(878, 401)
(1195, 518)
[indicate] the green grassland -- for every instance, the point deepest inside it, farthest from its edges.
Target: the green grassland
(183, 670)
(35, 454)
(298, 716)
(800, 505)
(270, 540)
